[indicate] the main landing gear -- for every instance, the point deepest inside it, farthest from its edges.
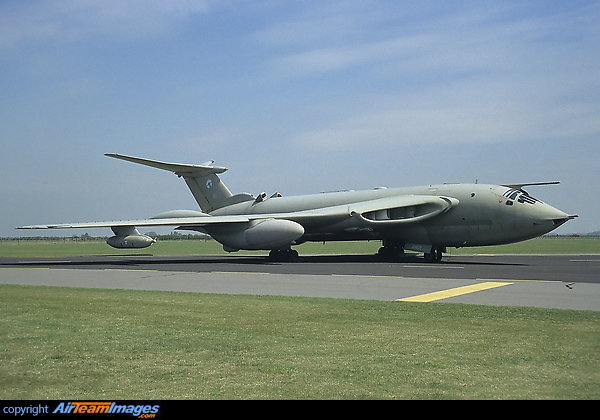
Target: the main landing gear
(283, 255)
(394, 251)
(435, 255)
(390, 252)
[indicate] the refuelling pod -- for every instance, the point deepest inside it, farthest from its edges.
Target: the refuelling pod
(265, 234)
(129, 237)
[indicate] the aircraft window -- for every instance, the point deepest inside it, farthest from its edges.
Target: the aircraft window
(520, 196)
(524, 198)
(529, 199)
(509, 203)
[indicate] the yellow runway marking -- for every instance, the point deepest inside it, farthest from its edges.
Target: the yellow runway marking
(457, 291)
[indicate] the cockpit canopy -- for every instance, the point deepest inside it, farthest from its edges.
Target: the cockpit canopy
(519, 195)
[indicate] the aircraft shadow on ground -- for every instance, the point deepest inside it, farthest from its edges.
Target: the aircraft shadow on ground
(147, 260)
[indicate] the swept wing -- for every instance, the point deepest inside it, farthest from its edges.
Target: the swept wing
(395, 209)
(176, 221)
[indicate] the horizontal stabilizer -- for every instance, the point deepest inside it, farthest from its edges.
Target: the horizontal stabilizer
(178, 168)
(202, 180)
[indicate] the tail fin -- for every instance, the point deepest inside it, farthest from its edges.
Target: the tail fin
(205, 185)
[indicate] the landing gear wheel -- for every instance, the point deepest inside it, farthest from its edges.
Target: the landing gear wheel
(283, 255)
(390, 252)
(434, 256)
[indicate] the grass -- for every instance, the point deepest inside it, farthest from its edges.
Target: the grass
(70, 343)
(66, 247)
(541, 245)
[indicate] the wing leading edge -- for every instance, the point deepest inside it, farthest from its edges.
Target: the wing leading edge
(397, 209)
(176, 221)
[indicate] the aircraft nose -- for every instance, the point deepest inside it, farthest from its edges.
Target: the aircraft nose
(547, 214)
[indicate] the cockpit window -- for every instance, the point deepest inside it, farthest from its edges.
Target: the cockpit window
(521, 196)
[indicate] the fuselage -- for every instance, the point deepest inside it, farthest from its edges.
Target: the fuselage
(484, 215)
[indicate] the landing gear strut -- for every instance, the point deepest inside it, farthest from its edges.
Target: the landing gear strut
(435, 255)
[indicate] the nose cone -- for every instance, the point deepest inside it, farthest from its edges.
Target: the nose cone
(548, 218)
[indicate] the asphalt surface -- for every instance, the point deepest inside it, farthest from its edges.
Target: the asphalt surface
(552, 281)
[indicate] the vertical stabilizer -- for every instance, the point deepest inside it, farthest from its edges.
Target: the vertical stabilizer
(207, 188)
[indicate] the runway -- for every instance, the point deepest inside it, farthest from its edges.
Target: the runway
(549, 281)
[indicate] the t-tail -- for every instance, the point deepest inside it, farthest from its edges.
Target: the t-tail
(208, 189)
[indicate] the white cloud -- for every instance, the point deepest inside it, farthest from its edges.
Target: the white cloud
(340, 58)
(468, 111)
(479, 76)
(66, 21)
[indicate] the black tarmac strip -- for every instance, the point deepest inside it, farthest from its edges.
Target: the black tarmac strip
(553, 281)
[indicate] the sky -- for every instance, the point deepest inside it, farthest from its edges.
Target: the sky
(293, 96)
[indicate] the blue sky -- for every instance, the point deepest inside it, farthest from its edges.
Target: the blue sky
(293, 96)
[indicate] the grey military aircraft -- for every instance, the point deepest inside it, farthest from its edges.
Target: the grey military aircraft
(426, 219)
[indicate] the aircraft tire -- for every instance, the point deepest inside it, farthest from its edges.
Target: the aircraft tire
(434, 256)
(283, 255)
(390, 252)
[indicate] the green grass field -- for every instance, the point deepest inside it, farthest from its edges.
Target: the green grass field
(70, 343)
(68, 247)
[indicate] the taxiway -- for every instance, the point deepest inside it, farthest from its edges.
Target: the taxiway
(552, 281)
